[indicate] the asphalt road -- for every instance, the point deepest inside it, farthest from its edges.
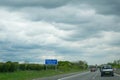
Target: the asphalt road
(84, 76)
(90, 76)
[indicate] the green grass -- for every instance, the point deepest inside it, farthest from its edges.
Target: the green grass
(29, 75)
(26, 75)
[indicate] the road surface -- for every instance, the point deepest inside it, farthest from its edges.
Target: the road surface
(90, 76)
(83, 76)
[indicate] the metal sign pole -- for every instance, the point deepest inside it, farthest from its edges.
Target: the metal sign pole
(46, 66)
(56, 67)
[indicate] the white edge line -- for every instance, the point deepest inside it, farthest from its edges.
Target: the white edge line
(117, 74)
(72, 76)
(95, 75)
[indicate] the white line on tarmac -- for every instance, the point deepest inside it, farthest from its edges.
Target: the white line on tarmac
(95, 75)
(117, 74)
(68, 77)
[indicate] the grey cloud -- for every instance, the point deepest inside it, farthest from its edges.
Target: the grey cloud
(21, 47)
(91, 31)
(89, 25)
(66, 14)
(20, 56)
(33, 3)
(72, 30)
(115, 42)
(110, 7)
(105, 7)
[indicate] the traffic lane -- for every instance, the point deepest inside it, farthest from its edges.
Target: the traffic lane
(91, 76)
(107, 77)
(81, 76)
(61, 76)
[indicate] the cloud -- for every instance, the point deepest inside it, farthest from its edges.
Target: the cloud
(67, 30)
(102, 7)
(32, 3)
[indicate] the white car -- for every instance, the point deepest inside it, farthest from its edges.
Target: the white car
(107, 70)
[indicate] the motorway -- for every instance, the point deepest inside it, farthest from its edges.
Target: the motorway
(84, 76)
(90, 76)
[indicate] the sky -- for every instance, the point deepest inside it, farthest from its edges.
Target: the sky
(69, 30)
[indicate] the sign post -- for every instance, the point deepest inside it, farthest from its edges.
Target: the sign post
(53, 62)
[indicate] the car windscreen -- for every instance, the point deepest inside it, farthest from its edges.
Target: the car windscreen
(107, 67)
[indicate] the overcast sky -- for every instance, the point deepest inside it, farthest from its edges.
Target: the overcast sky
(35, 30)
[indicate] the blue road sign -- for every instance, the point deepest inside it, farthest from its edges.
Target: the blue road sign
(51, 62)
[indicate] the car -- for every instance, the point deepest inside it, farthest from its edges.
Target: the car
(107, 70)
(93, 69)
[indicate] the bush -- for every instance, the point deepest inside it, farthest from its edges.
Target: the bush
(62, 65)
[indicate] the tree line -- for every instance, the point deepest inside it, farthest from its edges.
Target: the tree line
(115, 63)
(62, 66)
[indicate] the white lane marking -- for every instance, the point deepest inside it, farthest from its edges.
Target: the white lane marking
(68, 77)
(95, 75)
(117, 74)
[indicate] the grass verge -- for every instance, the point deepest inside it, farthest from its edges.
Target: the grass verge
(29, 75)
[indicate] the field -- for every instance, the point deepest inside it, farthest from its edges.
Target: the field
(29, 75)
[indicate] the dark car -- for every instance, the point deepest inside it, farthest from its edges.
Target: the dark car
(93, 69)
(107, 70)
